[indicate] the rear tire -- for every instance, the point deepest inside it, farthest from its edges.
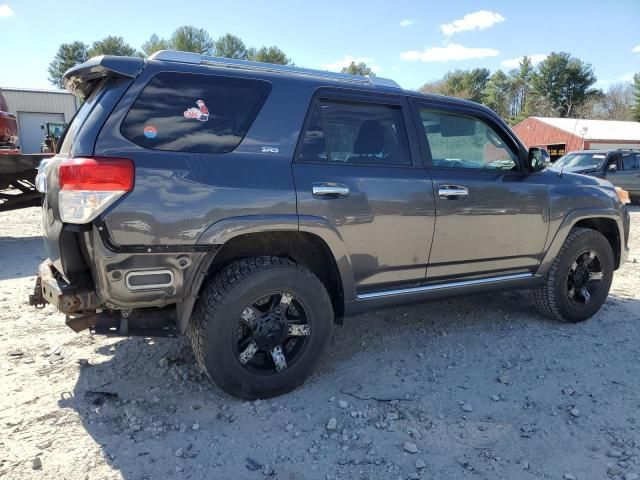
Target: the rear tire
(579, 279)
(241, 330)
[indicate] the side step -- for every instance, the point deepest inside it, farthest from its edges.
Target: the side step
(147, 322)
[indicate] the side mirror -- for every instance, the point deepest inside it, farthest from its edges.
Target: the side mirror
(613, 168)
(538, 159)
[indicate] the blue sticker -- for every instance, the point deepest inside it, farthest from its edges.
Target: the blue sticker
(150, 131)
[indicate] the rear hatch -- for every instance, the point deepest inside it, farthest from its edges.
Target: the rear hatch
(100, 83)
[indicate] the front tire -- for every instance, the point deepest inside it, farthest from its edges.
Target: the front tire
(260, 325)
(579, 279)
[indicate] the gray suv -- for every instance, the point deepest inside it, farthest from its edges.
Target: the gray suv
(253, 206)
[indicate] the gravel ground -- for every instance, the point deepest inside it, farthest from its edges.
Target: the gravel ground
(474, 387)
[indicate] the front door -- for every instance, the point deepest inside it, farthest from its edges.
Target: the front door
(491, 219)
(358, 169)
(627, 175)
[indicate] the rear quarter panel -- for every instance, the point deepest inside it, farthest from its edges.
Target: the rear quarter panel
(178, 195)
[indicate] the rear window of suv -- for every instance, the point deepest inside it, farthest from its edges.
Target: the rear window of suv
(194, 113)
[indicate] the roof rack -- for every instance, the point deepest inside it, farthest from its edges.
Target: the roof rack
(196, 58)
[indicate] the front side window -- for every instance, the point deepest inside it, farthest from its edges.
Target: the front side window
(356, 133)
(194, 113)
(459, 141)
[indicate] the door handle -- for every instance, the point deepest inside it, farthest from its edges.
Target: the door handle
(330, 190)
(452, 192)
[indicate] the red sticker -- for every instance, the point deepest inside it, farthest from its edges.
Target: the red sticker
(201, 113)
(150, 131)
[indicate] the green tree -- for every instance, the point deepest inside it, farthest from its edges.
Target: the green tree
(191, 39)
(154, 44)
(112, 45)
(564, 82)
(230, 46)
(520, 90)
(68, 55)
(468, 84)
(636, 95)
(268, 55)
(435, 86)
(497, 95)
(358, 69)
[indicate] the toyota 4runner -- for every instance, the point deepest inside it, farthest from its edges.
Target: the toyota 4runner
(253, 206)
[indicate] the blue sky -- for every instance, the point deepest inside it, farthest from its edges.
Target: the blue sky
(411, 41)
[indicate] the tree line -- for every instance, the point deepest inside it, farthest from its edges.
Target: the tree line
(185, 38)
(559, 86)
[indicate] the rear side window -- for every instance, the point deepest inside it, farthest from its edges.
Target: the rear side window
(194, 113)
(356, 133)
(630, 161)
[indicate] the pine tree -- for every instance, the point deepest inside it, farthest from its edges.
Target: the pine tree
(636, 94)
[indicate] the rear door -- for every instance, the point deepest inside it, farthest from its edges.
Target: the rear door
(358, 168)
(491, 218)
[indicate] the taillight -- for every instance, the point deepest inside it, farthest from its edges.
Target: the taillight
(89, 185)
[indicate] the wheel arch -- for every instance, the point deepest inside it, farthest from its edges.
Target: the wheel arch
(606, 221)
(314, 246)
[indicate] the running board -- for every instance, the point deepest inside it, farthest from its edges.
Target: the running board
(443, 286)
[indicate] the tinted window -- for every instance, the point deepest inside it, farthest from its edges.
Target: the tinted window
(314, 148)
(630, 161)
(194, 113)
(458, 141)
(356, 133)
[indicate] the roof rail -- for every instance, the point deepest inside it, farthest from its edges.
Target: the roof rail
(196, 58)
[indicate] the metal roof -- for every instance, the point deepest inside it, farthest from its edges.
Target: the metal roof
(36, 90)
(595, 129)
(196, 58)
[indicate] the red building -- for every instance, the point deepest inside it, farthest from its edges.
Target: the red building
(564, 135)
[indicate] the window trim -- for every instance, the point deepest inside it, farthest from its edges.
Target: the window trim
(359, 97)
(186, 73)
(635, 156)
(461, 110)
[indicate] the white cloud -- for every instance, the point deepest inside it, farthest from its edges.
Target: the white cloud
(346, 60)
(453, 51)
(406, 22)
(515, 62)
(472, 21)
(636, 49)
(627, 77)
(5, 11)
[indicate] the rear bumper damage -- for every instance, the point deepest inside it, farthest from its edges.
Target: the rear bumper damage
(82, 308)
(52, 288)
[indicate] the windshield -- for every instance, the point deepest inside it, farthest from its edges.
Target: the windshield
(579, 161)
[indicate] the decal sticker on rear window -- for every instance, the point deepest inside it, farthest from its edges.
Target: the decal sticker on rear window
(201, 113)
(150, 131)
